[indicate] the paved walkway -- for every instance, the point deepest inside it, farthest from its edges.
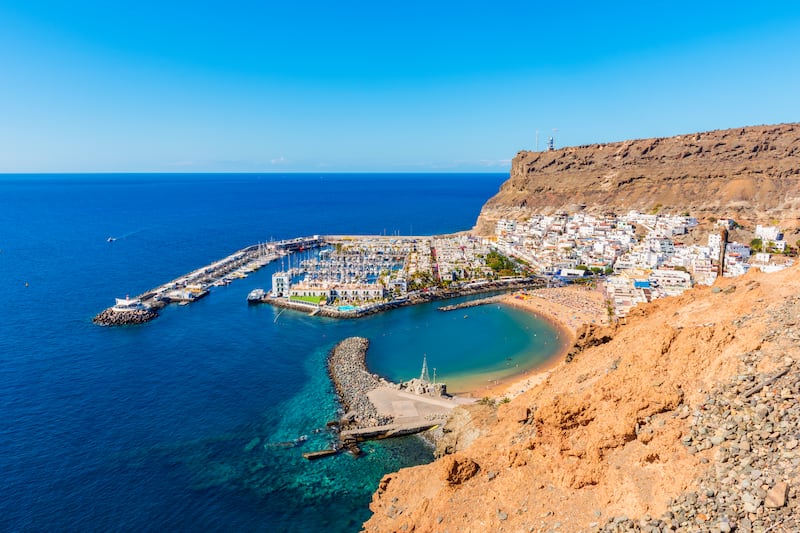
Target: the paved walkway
(406, 407)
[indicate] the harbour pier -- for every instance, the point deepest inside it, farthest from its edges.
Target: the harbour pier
(474, 303)
(197, 284)
(375, 408)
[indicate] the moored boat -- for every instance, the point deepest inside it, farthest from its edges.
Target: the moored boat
(256, 295)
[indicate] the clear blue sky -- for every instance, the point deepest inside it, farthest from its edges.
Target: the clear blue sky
(376, 86)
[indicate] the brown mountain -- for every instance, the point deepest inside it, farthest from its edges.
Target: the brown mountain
(750, 173)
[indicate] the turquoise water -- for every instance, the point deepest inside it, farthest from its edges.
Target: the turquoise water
(189, 422)
(469, 348)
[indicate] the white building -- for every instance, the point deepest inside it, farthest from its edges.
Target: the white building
(281, 283)
(768, 233)
(304, 290)
(714, 242)
(358, 292)
(761, 257)
(727, 223)
(505, 226)
(737, 248)
(671, 282)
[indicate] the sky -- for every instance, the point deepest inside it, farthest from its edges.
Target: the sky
(350, 86)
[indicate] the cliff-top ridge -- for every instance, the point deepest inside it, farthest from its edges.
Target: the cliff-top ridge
(751, 172)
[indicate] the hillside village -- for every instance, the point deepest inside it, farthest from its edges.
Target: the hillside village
(644, 255)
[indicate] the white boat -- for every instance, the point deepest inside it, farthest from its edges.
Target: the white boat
(129, 304)
(256, 295)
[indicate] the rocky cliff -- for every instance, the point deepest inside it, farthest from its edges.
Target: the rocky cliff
(751, 173)
(685, 418)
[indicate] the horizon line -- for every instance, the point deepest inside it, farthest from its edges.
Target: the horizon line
(129, 172)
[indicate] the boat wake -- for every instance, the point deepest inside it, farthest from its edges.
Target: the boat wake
(126, 235)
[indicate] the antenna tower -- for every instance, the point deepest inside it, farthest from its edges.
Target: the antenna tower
(424, 376)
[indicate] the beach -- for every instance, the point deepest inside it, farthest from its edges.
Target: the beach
(565, 309)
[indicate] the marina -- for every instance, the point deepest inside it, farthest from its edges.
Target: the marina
(338, 276)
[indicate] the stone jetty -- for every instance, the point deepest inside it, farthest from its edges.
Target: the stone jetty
(111, 317)
(474, 303)
(348, 371)
(196, 284)
(378, 409)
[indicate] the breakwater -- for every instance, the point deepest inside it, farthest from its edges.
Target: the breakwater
(378, 409)
(352, 381)
(473, 303)
(196, 284)
(111, 317)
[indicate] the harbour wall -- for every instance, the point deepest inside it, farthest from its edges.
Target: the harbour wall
(351, 379)
(252, 257)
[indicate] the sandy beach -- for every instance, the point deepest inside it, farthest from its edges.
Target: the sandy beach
(566, 309)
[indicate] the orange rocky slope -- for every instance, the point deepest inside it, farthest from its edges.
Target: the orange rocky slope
(660, 427)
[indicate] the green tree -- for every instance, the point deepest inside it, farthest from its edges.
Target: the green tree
(498, 262)
(756, 245)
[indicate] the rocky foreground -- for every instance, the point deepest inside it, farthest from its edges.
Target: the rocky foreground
(750, 173)
(684, 419)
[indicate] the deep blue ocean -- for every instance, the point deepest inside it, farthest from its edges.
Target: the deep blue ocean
(182, 424)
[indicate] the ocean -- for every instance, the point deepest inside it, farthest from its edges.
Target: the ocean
(190, 422)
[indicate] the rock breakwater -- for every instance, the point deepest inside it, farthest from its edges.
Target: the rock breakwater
(348, 370)
(110, 317)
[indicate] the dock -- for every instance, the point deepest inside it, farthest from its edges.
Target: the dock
(386, 431)
(195, 285)
(353, 277)
(312, 456)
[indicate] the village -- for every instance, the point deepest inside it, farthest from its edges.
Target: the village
(641, 256)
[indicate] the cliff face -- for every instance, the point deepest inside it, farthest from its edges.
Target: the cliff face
(751, 172)
(664, 420)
